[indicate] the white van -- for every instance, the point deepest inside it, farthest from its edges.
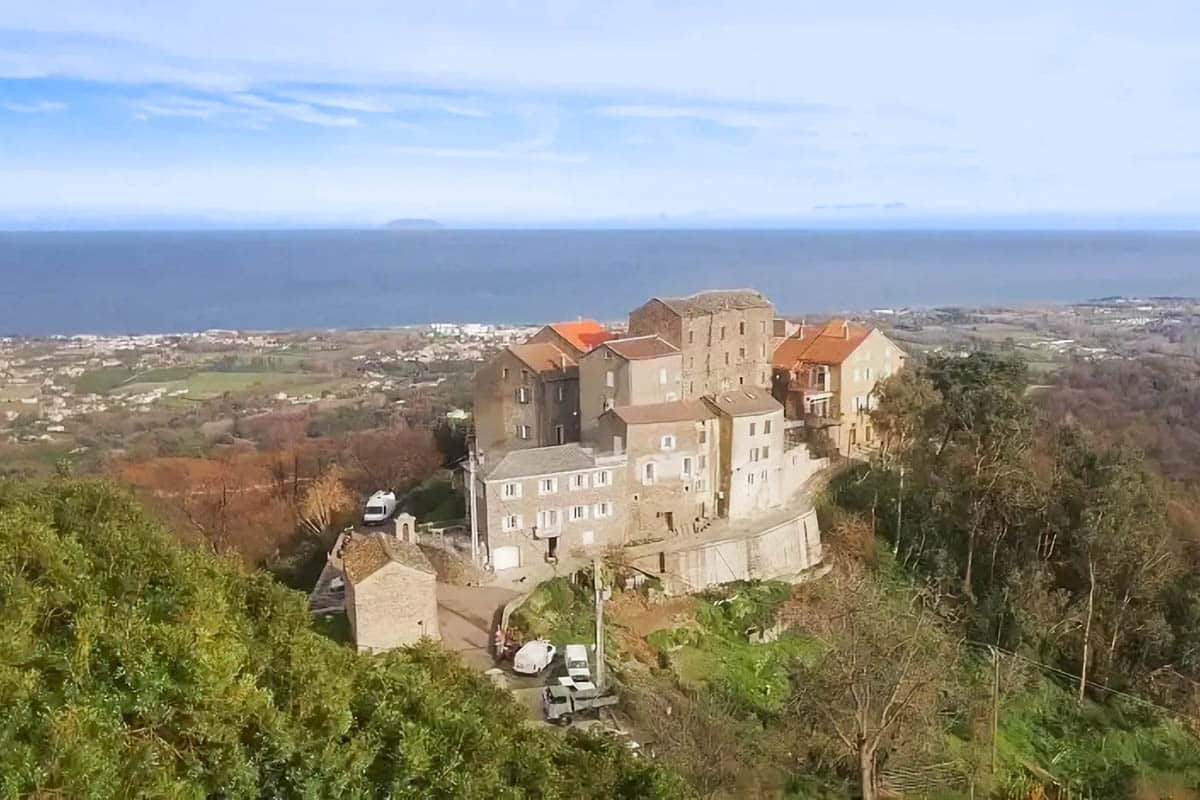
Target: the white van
(577, 663)
(380, 508)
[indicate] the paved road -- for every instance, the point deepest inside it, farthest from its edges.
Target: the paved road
(467, 617)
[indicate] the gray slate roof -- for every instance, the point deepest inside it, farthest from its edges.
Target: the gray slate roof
(744, 402)
(363, 555)
(675, 411)
(541, 461)
(715, 300)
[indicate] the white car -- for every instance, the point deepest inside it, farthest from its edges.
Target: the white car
(380, 508)
(577, 663)
(534, 657)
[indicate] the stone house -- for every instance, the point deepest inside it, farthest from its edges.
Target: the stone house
(545, 503)
(826, 375)
(724, 337)
(671, 455)
(626, 372)
(527, 395)
(573, 338)
(391, 591)
(751, 452)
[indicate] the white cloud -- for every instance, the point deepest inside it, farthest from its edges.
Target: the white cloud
(725, 116)
(243, 109)
(298, 112)
(490, 154)
(382, 103)
(36, 107)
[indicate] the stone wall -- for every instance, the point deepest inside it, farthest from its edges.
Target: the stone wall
(394, 606)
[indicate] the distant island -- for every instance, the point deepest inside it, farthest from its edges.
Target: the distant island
(413, 225)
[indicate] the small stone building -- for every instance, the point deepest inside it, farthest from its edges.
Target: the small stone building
(391, 592)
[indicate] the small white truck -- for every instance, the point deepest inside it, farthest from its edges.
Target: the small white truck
(561, 703)
(380, 508)
(577, 663)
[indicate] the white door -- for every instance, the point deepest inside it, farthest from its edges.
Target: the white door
(506, 558)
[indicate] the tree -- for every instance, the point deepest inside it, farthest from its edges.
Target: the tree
(325, 501)
(875, 687)
(133, 666)
(907, 407)
(394, 458)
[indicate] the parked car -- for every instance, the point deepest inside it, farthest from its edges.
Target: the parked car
(577, 663)
(534, 657)
(562, 703)
(380, 508)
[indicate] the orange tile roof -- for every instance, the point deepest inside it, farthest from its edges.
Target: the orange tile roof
(584, 334)
(543, 357)
(831, 343)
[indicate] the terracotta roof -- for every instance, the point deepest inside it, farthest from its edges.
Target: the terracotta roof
(713, 300)
(743, 402)
(831, 343)
(363, 555)
(584, 334)
(543, 357)
(541, 461)
(677, 411)
(638, 347)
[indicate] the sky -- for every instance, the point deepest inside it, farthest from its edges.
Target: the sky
(526, 113)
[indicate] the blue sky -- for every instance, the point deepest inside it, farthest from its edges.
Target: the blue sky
(566, 112)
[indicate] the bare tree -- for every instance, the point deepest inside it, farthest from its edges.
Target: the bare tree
(876, 685)
(325, 501)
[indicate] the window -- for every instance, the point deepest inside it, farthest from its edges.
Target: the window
(700, 485)
(511, 522)
(707, 360)
(523, 394)
(610, 379)
(602, 510)
(868, 373)
(727, 358)
(560, 435)
(548, 486)
(703, 437)
(691, 362)
(578, 513)
(766, 452)
(607, 354)
(511, 490)
(741, 380)
(749, 478)
(667, 443)
(753, 425)
(860, 403)
(766, 426)
(742, 353)
(562, 392)
(703, 461)
(522, 431)
(662, 376)
(504, 373)
(687, 467)
(587, 537)
(548, 519)
(754, 454)
(648, 473)
(578, 481)
(692, 387)
(601, 478)
(691, 337)
(524, 375)
(762, 349)
(741, 329)
(608, 403)
(762, 476)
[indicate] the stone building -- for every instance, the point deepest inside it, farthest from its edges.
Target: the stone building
(671, 454)
(526, 396)
(626, 372)
(545, 503)
(751, 452)
(826, 375)
(724, 337)
(391, 591)
(573, 338)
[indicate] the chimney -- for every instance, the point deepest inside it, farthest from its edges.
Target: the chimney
(803, 322)
(845, 329)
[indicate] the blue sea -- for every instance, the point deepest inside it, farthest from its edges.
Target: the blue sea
(157, 282)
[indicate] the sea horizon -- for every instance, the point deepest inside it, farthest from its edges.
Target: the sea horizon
(111, 282)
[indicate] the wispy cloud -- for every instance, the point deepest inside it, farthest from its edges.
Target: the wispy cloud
(491, 154)
(248, 110)
(37, 107)
(745, 118)
(384, 103)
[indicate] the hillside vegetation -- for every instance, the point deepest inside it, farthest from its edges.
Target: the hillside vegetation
(131, 667)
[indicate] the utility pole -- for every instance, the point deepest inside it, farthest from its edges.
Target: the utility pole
(995, 702)
(471, 493)
(598, 585)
